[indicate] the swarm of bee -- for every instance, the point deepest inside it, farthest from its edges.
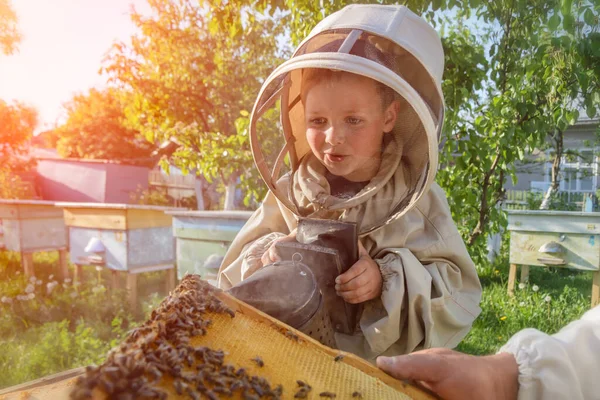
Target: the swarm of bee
(161, 348)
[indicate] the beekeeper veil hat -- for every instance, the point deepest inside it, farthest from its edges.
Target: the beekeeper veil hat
(389, 44)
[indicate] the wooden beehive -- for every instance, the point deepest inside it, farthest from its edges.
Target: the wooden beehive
(562, 239)
(32, 225)
(136, 237)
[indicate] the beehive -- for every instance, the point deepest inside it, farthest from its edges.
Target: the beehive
(203, 343)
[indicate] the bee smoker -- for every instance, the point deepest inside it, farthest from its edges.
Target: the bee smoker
(300, 289)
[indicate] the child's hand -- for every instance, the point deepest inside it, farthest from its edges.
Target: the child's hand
(270, 256)
(362, 281)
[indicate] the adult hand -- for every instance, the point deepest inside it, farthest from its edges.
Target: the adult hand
(271, 255)
(362, 281)
(453, 375)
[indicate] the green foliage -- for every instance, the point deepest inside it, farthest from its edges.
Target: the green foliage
(50, 348)
(17, 122)
(153, 197)
(190, 81)
(9, 34)
(11, 185)
(95, 129)
(48, 326)
(156, 196)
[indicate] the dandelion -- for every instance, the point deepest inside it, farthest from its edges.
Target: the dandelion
(496, 272)
(548, 299)
(31, 296)
(98, 289)
(499, 337)
(535, 288)
(522, 304)
(522, 286)
(38, 282)
(503, 318)
(29, 289)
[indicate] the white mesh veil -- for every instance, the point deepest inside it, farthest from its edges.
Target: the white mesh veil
(389, 44)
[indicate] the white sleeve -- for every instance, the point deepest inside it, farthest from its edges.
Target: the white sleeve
(565, 365)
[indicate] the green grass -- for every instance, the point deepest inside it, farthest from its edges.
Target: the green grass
(502, 316)
(72, 326)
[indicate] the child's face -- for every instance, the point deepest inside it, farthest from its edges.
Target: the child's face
(345, 124)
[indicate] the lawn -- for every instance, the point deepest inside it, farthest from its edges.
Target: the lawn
(551, 299)
(44, 331)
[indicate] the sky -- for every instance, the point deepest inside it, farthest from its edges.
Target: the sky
(64, 42)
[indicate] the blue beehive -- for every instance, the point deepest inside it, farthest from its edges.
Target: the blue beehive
(203, 237)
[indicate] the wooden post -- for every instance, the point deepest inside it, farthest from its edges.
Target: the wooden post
(27, 260)
(132, 292)
(63, 265)
(171, 279)
(511, 279)
(114, 279)
(596, 289)
(78, 276)
(524, 273)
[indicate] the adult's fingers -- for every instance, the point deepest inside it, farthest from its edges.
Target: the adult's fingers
(423, 366)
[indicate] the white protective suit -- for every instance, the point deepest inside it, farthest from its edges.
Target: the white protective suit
(560, 366)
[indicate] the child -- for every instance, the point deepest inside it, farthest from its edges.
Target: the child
(361, 111)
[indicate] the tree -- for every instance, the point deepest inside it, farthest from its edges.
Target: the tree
(572, 73)
(17, 122)
(95, 129)
(9, 35)
(191, 81)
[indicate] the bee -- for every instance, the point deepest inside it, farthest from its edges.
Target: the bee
(357, 395)
(238, 385)
(180, 386)
(328, 395)
(259, 390)
(250, 396)
(303, 384)
(193, 395)
(277, 391)
(302, 392)
(259, 361)
(338, 358)
(292, 335)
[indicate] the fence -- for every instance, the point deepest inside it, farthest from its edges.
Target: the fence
(526, 200)
(176, 186)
